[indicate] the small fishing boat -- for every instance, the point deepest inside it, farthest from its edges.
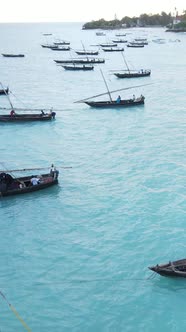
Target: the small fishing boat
(78, 67)
(140, 39)
(47, 34)
(114, 103)
(139, 43)
(108, 44)
(118, 103)
(27, 117)
(62, 42)
(87, 52)
(113, 49)
(4, 91)
(119, 41)
(131, 73)
(13, 116)
(11, 185)
(171, 269)
(86, 60)
(60, 48)
(47, 45)
(13, 55)
(135, 45)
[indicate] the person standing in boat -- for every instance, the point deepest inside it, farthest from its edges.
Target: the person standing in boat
(12, 113)
(118, 100)
(54, 172)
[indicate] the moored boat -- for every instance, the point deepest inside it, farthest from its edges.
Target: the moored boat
(60, 48)
(11, 185)
(118, 103)
(27, 117)
(171, 269)
(131, 73)
(135, 45)
(81, 60)
(87, 52)
(4, 91)
(114, 103)
(13, 55)
(113, 49)
(76, 67)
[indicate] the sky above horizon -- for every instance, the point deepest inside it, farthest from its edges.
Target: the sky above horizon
(82, 10)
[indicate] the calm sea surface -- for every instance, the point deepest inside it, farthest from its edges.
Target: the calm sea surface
(75, 257)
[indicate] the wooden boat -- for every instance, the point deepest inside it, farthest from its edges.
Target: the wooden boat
(119, 103)
(171, 269)
(87, 52)
(134, 73)
(27, 117)
(81, 60)
(139, 43)
(140, 39)
(60, 48)
(62, 42)
(47, 34)
(113, 49)
(135, 45)
(130, 73)
(108, 44)
(21, 185)
(119, 41)
(114, 103)
(4, 91)
(47, 45)
(13, 55)
(22, 117)
(78, 67)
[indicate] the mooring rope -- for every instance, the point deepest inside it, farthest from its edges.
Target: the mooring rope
(15, 313)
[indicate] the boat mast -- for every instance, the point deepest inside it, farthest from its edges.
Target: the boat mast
(106, 85)
(7, 96)
(125, 62)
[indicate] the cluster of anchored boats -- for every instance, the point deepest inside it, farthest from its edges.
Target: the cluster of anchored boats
(13, 185)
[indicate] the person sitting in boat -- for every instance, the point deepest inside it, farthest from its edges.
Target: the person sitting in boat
(34, 181)
(134, 97)
(118, 100)
(12, 113)
(52, 113)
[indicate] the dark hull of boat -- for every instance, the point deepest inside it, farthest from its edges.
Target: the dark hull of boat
(171, 269)
(48, 181)
(60, 49)
(4, 92)
(87, 53)
(81, 61)
(131, 75)
(135, 46)
(25, 117)
(62, 43)
(76, 68)
(113, 49)
(13, 55)
(108, 45)
(113, 104)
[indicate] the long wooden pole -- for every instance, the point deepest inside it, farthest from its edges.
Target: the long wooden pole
(7, 96)
(105, 93)
(106, 85)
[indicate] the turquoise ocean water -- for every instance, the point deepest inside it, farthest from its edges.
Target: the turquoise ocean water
(75, 257)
